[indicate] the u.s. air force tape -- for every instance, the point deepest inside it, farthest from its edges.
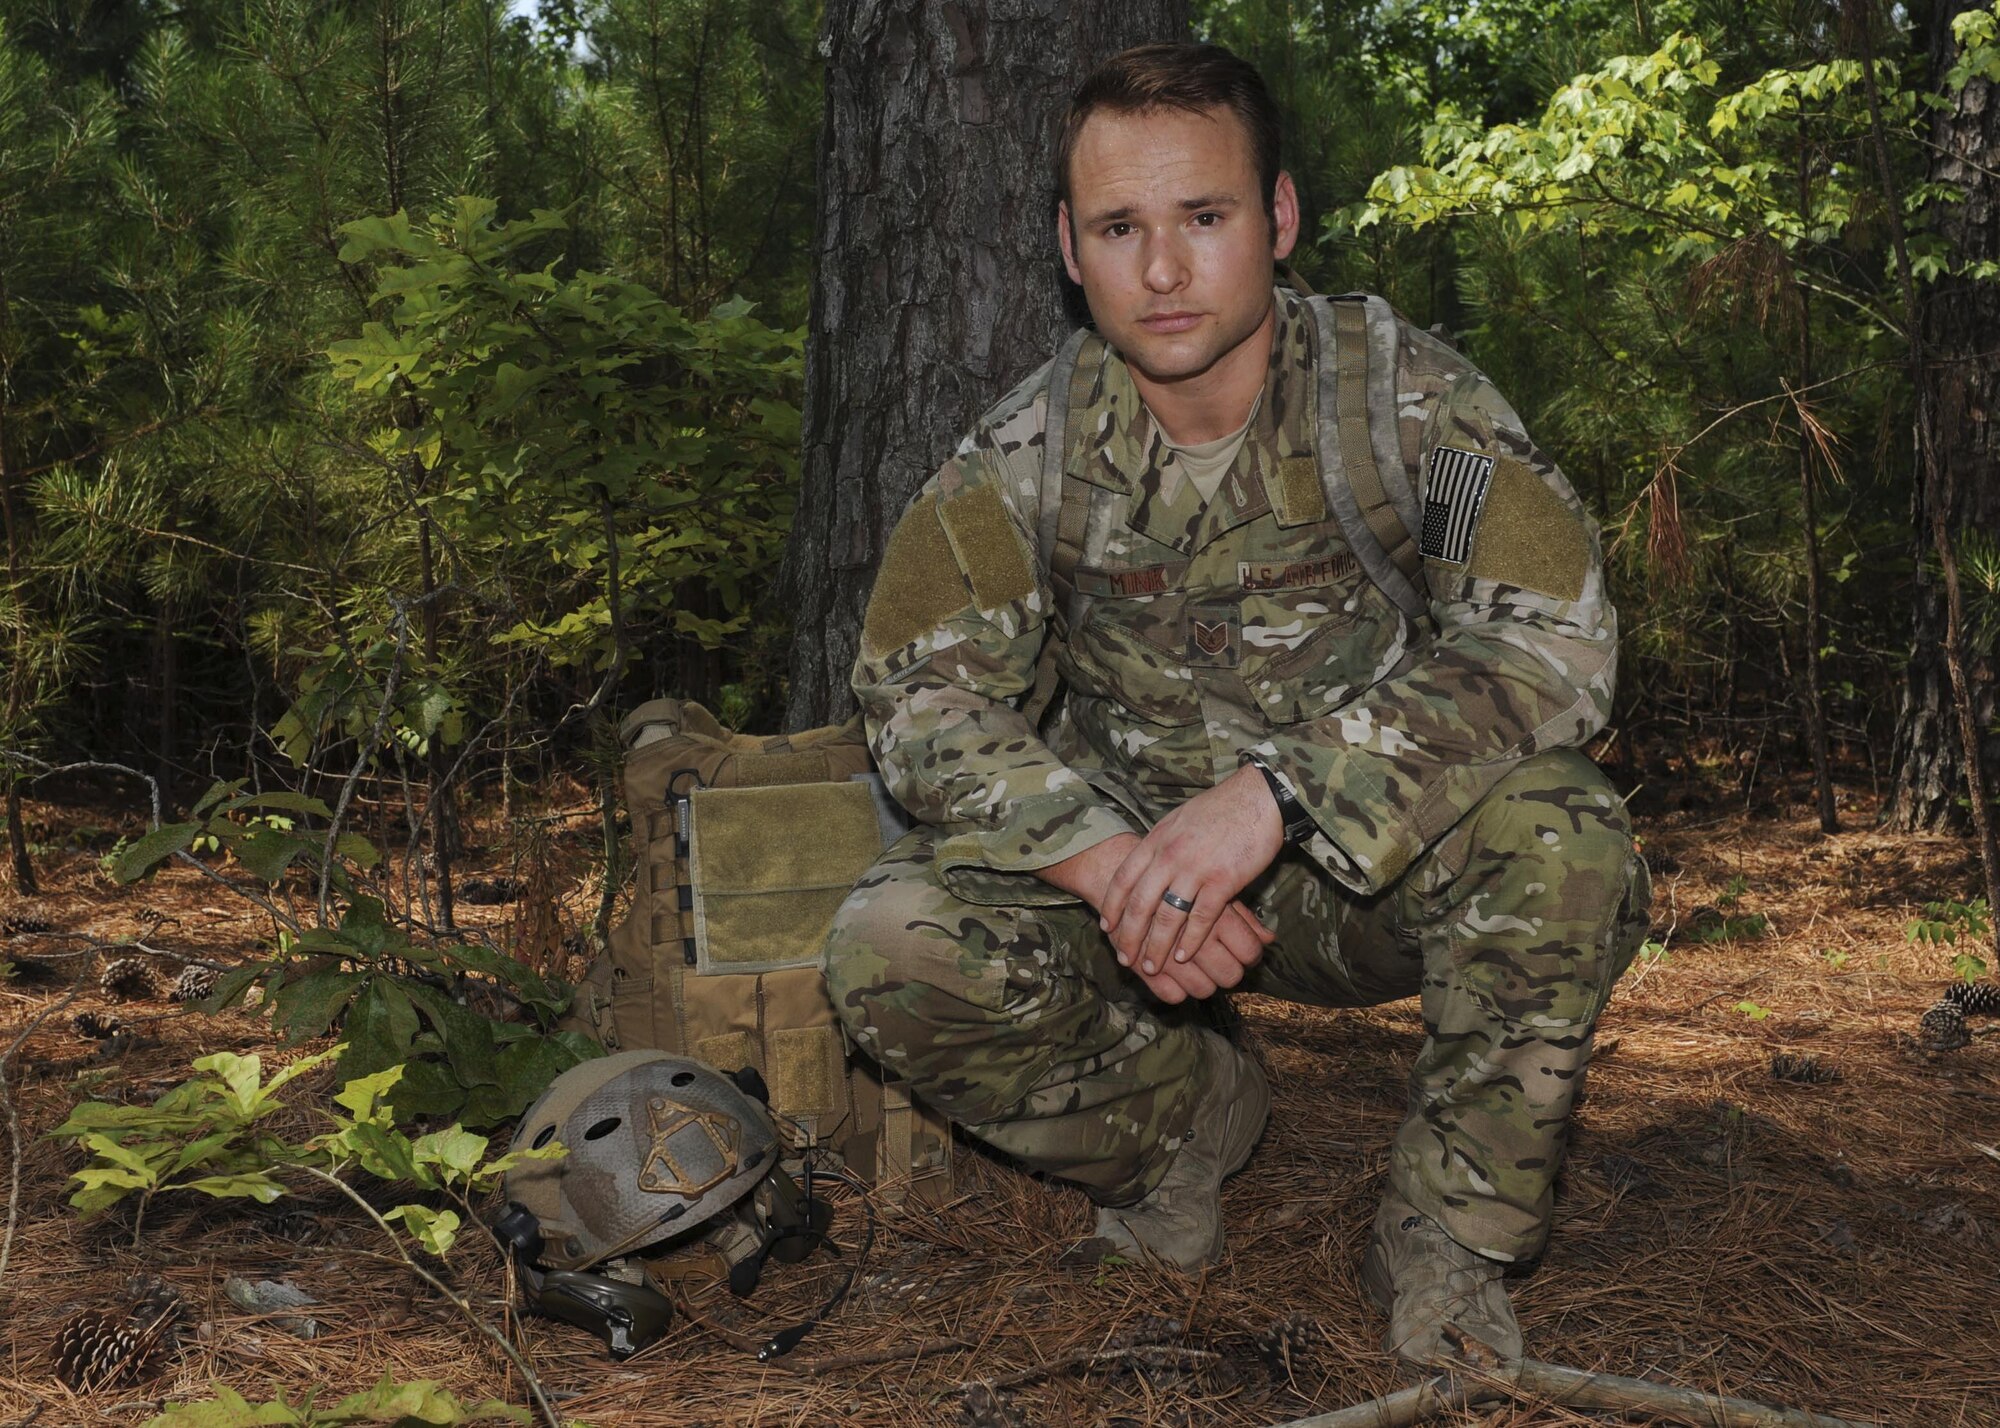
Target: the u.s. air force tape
(1453, 497)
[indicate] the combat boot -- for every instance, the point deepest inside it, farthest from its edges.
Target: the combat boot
(1180, 1221)
(1435, 1291)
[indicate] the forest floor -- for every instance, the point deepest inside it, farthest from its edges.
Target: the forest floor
(1831, 1244)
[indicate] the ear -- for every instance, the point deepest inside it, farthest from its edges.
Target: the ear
(1066, 237)
(1285, 212)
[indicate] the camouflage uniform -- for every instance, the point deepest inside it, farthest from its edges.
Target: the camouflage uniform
(1463, 852)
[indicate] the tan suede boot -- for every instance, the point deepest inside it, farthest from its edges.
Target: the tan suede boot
(1180, 1222)
(1436, 1292)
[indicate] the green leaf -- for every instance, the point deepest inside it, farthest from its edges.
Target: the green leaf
(454, 1148)
(266, 852)
(230, 987)
(241, 1078)
(435, 1230)
(362, 1096)
(226, 1410)
(357, 850)
(1752, 1010)
(280, 801)
(310, 1004)
(381, 1024)
(152, 849)
(252, 1185)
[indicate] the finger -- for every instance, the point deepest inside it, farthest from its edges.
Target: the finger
(1235, 939)
(1119, 890)
(1209, 907)
(1192, 979)
(1145, 909)
(1168, 931)
(1218, 962)
(1263, 933)
(1166, 986)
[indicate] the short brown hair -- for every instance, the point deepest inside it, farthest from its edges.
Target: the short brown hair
(1194, 78)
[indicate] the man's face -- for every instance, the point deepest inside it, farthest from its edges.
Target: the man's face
(1165, 232)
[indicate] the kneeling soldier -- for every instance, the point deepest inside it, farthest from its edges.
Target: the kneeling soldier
(1329, 629)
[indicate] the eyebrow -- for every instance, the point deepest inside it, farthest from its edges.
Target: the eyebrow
(1187, 205)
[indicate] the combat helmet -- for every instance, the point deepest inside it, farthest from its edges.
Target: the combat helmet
(659, 1147)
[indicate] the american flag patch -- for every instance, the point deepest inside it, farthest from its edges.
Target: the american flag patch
(1457, 490)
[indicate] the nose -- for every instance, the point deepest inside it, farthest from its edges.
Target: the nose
(1166, 262)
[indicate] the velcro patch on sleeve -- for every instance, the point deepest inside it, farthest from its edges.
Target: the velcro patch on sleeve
(918, 587)
(989, 552)
(1453, 499)
(1529, 537)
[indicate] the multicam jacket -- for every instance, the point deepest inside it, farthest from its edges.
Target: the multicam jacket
(1211, 633)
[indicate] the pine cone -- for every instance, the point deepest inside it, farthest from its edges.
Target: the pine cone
(1288, 1343)
(193, 984)
(97, 1026)
(128, 979)
(1942, 1028)
(1802, 1067)
(1975, 998)
(98, 1349)
(155, 1302)
(14, 923)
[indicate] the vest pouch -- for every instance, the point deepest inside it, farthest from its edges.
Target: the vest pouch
(743, 848)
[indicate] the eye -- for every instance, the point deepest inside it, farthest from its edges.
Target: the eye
(1117, 230)
(1208, 220)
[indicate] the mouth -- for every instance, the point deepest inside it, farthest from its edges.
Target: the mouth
(1169, 322)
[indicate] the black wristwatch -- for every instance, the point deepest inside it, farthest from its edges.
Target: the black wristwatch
(1299, 824)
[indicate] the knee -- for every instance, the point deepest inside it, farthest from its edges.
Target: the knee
(1556, 812)
(1553, 892)
(907, 964)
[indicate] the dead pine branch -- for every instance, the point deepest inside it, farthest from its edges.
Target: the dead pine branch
(1530, 1380)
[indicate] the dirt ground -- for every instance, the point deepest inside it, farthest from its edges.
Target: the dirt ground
(1831, 1243)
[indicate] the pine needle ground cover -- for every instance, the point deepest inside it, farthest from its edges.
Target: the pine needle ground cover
(1774, 1192)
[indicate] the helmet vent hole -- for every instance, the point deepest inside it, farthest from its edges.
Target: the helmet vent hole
(603, 1128)
(542, 1137)
(680, 1078)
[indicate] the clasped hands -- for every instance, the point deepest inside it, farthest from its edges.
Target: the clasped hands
(1205, 852)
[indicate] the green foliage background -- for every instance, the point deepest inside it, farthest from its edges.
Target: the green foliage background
(415, 384)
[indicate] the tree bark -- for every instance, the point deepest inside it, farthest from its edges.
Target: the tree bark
(1957, 388)
(937, 282)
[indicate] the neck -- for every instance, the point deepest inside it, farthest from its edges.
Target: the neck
(1215, 401)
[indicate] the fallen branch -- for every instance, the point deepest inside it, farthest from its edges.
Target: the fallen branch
(1576, 1389)
(922, 1348)
(1530, 1379)
(1396, 1410)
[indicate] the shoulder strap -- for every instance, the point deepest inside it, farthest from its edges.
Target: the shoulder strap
(1359, 461)
(1065, 507)
(1062, 521)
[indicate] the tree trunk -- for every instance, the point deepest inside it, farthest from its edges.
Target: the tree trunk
(938, 284)
(1959, 386)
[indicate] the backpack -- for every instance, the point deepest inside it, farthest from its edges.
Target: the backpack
(744, 848)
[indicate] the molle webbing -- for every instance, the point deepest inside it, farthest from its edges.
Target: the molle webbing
(745, 846)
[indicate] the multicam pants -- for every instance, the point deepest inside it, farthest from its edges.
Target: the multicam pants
(1020, 1025)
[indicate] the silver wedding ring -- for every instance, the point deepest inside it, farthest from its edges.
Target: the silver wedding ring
(1175, 901)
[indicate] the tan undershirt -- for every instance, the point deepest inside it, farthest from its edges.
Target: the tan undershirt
(1206, 462)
